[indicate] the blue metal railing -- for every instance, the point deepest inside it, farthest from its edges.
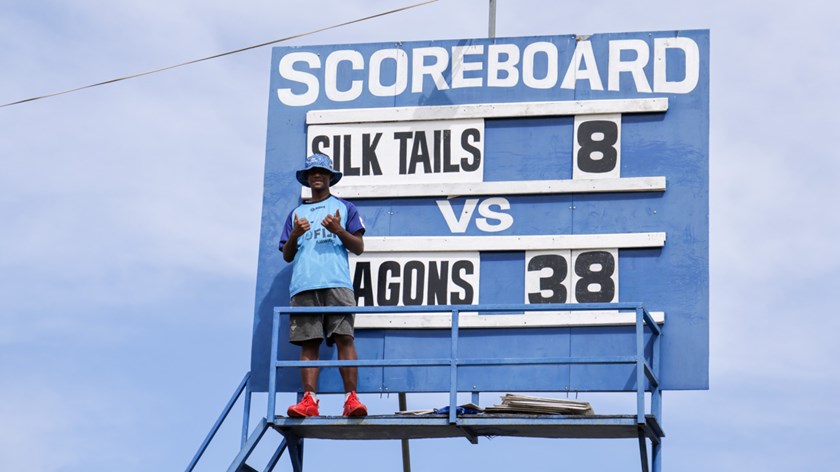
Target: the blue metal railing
(244, 386)
(643, 368)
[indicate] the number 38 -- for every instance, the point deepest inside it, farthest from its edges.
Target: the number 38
(588, 276)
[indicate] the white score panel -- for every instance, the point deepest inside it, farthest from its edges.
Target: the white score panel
(403, 153)
(596, 152)
(566, 276)
(416, 278)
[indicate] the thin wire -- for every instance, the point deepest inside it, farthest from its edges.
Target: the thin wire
(218, 55)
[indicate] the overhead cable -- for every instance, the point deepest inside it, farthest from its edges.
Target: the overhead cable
(228, 53)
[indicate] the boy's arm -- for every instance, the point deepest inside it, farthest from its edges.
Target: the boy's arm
(290, 247)
(352, 241)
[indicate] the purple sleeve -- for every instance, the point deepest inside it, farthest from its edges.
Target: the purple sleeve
(287, 230)
(354, 220)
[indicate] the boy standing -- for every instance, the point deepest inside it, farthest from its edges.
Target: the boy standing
(317, 236)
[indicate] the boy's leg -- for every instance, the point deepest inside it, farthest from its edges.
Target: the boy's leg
(338, 329)
(308, 405)
(347, 352)
(309, 351)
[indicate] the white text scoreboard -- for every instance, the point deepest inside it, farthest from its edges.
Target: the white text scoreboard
(558, 169)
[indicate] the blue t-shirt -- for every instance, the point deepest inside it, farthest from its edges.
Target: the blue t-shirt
(321, 259)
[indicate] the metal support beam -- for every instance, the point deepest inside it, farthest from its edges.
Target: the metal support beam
(652, 434)
(657, 456)
(246, 413)
(246, 451)
(406, 452)
(643, 449)
(276, 457)
(295, 451)
(469, 434)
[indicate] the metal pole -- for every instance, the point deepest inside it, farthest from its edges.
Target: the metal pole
(246, 413)
(453, 370)
(492, 27)
(657, 456)
(640, 367)
(272, 363)
(406, 453)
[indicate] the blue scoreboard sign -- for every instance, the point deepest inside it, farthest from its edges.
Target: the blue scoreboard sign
(551, 169)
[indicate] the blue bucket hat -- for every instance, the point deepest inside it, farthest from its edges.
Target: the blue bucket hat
(322, 162)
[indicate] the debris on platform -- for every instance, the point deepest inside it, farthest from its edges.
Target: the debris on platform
(463, 409)
(514, 403)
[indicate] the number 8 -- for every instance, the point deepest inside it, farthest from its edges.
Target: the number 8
(597, 147)
(595, 268)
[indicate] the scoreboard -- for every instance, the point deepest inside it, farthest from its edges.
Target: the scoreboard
(550, 169)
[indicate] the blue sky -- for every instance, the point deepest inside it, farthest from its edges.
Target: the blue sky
(131, 219)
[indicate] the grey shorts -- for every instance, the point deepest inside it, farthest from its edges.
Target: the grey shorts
(306, 327)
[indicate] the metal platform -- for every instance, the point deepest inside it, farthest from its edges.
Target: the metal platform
(471, 426)
(644, 425)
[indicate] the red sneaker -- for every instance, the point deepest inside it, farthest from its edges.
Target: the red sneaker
(353, 407)
(306, 407)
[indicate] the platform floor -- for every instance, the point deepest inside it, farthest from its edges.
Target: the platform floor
(489, 425)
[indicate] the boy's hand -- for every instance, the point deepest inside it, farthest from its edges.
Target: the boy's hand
(332, 223)
(301, 225)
